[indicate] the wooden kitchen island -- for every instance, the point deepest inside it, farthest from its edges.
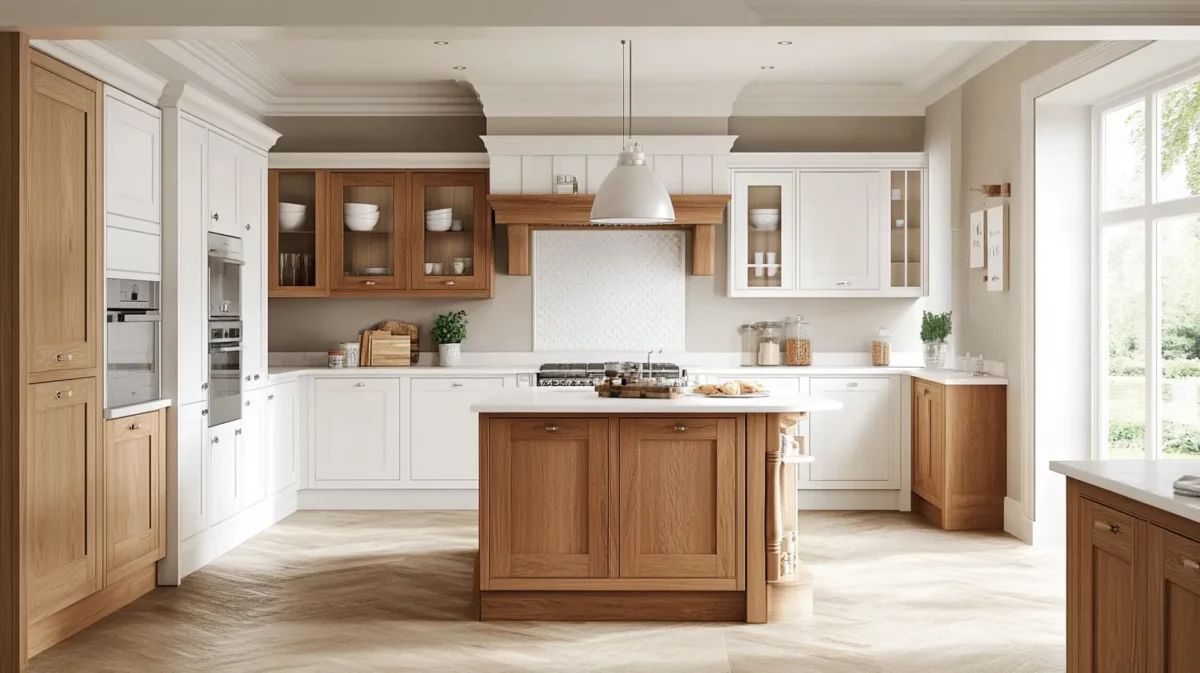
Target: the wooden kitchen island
(630, 509)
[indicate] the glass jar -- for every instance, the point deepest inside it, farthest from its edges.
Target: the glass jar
(337, 358)
(749, 334)
(770, 338)
(798, 348)
(881, 349)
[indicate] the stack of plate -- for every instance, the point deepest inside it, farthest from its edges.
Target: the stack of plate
(360, 216)
(439, 219)
(291, 216)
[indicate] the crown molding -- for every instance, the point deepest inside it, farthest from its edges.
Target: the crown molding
(391, 161)
(228, 66)
(828, 160)
(710, 100)
(602, 145)
(974, 12)
(194, 101)
(414, 100)
(989, 56)
(107, 66)
(803, 100)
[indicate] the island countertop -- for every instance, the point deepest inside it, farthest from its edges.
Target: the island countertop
(1146, 481)
(556, 401)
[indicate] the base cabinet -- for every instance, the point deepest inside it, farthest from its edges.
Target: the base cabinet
(443, 440)
(356, 432)
(1173, 615)
(856, 447)
(279, 436)
(134, 507)
(222, 472)
(191, 453)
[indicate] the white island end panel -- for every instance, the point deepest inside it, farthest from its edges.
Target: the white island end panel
(608, 289)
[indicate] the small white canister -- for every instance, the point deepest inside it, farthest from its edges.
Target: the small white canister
(351, 348)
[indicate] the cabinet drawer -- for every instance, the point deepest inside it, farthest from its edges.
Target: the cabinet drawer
(132, 427)
(445, 384)
(1111, 530)
(1181, 561)
(674, 428)
(548, 428)
(926, 388)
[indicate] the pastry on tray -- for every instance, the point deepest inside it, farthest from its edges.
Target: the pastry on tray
(730, 388)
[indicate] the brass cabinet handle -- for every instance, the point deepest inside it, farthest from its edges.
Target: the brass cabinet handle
(135, 426)
(369, 283)
(447, 282)
(925, 392)
(680, 427)
(550, 427)
(64, 357)
(1113, 528)
(1191, 565)
(62, 394)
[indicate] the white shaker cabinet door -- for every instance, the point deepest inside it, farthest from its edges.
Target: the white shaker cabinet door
(252, 481)
(840, 228)
(223, 472)
(189, 331)
(252, 168)
(444, 438)
(356, 432)
(223, 156)
(191, 430)
(858, 445)
(132, 157)
(279, 436)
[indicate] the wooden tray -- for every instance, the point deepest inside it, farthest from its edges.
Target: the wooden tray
(414, 334)
(641, 392)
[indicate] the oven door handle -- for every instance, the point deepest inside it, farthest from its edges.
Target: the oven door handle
(135, 317)
(224, 349)
(228, 259)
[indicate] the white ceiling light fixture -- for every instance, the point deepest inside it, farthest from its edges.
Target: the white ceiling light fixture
(632, 193)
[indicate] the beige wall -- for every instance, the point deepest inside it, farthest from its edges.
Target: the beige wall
(566, 126)
(378, 134)
(828, 134)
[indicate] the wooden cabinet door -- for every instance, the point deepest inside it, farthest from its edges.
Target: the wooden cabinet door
(62, 308)
(1173, 623)
(134, 494)
(855, 447)
(681, 497)
(298, 244)
(444, 444)
(840, 228)
(279, 436)
(467, 243)
(356, 432)
(368, 248)
(548, 498)
(929, 441)
(63, 560)
(222, 180)
(1106, 603)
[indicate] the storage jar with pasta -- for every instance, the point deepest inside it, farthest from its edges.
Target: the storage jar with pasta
(798, 345)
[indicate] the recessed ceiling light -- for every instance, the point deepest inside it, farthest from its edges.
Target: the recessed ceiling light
(442, 43)
(460, 67)
(784, 42)
(768, 67)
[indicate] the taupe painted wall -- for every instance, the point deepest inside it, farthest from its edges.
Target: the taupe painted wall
(569, 126)
(378, 134)
(828, 134)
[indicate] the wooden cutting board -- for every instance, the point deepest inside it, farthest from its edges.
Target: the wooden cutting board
(413, 332)
(390, 350)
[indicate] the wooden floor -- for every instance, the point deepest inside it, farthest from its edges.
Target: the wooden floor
(390, 591)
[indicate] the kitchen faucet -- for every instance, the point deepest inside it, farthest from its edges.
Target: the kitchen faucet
(649, 374)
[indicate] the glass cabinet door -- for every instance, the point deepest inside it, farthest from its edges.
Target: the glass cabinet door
(764, 230)
(366, 214)
(297, 234)
(906, 225)
(450, 230)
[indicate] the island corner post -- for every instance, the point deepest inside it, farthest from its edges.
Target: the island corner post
(571, 525)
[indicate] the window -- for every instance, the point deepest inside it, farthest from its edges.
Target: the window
(1148, 273)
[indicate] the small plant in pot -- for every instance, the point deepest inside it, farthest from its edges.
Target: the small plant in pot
(449, 331)
(935, 329)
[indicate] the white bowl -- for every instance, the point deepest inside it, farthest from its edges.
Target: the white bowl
(764, 210)
(437, 225)
(768, 221)
(440, 211)
(363, 223)
(284, 206)
(360, 208)
(291, 220)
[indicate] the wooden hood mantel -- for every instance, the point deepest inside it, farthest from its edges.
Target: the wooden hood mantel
(523, 212)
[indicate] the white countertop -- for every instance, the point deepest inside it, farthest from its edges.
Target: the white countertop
(954, 377)
(135, 409)
(837, 370)
(1146, 481)
(386, 372)
(553, 401)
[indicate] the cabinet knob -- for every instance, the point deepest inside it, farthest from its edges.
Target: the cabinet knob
(216, 440)
(64, 357)
(204, 412)
(360, 384)
(852, 384)
(925, 392)
(680, 427)
(247, 227)
(63, 394)
(247, 402)
(237, 432)
(247, 377)
(216, 217)
(1114, 528)
(270, 398)
(135, 426)
(550, 427)
(842, 283)
(369, 283)
(458, 384)
(447, 282)
(256, 377)
(1191, 565)
(203, 386)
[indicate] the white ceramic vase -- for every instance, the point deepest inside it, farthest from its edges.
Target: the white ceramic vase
(449, 354)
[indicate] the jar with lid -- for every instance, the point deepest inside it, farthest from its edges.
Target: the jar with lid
(749, 334)
(881, 348)
(798, 347)
(770, 338)
(337, 358)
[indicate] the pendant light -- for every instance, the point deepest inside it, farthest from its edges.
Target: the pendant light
(632, 193)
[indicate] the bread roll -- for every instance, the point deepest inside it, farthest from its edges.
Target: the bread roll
(731, 388)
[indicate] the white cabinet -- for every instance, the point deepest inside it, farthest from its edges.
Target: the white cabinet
(781, 385)
(840, 228)
(443, 433)
(192, 438)
(355, 432)
(185, 283)
(223, 472)
(132, 157)
(251, 460)
(858, 446)
(251, 200)
(279, 436)
(222, 177)
(763, 217)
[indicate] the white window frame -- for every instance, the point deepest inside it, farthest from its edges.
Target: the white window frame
(1150, 213)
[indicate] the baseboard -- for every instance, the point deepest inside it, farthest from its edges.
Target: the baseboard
(210, 545)
(55, 628)
(1015, 523)
(389, 499)
(889, 501)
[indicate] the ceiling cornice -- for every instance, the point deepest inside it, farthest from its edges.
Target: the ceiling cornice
(411, 100)
(204, 106)
(107, 66)
(959, 76)
(709, 100)
(796, 100)
(974, 12)
(229, 66)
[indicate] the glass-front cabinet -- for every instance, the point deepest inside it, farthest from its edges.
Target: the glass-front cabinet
(367, 218)
(451, 232)
(763, 217)
(298, 235)
(906, 228)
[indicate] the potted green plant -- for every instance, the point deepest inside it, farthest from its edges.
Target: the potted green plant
(449, 331)
(935, 329)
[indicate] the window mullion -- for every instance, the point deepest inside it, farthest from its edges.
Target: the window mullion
(1153, 366)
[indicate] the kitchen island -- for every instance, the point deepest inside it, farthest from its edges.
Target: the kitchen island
(1133, 566)
(597, 508)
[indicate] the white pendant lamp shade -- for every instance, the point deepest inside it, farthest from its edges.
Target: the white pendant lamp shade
(632, 194)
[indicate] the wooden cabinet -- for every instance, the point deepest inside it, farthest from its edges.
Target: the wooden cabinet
(63, 295)
(356, 433)
(840, 230)
(222, 180)
(279, 436)
(381, 246)
(63, 557)
(959, 454)
(1133, 585)
(443, 440)
(680, 496)
(134, 490)
(549, 498)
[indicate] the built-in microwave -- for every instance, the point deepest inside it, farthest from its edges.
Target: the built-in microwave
(132, 342)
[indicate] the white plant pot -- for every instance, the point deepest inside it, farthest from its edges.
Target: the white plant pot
(449, 354)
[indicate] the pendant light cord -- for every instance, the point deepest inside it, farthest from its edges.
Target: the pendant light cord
(631, 91)
(622, 92)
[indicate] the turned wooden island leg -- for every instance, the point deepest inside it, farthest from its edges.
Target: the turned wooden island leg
(757, 432)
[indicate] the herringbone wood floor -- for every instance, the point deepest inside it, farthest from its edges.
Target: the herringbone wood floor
(390, 591)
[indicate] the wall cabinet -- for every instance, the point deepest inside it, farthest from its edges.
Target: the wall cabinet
(134, 494)
(443, 440)
(840, 229)
(856, 447)
(224, 154)
(132, 158)
(316, 249)
(959, 454)
(356, 432)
